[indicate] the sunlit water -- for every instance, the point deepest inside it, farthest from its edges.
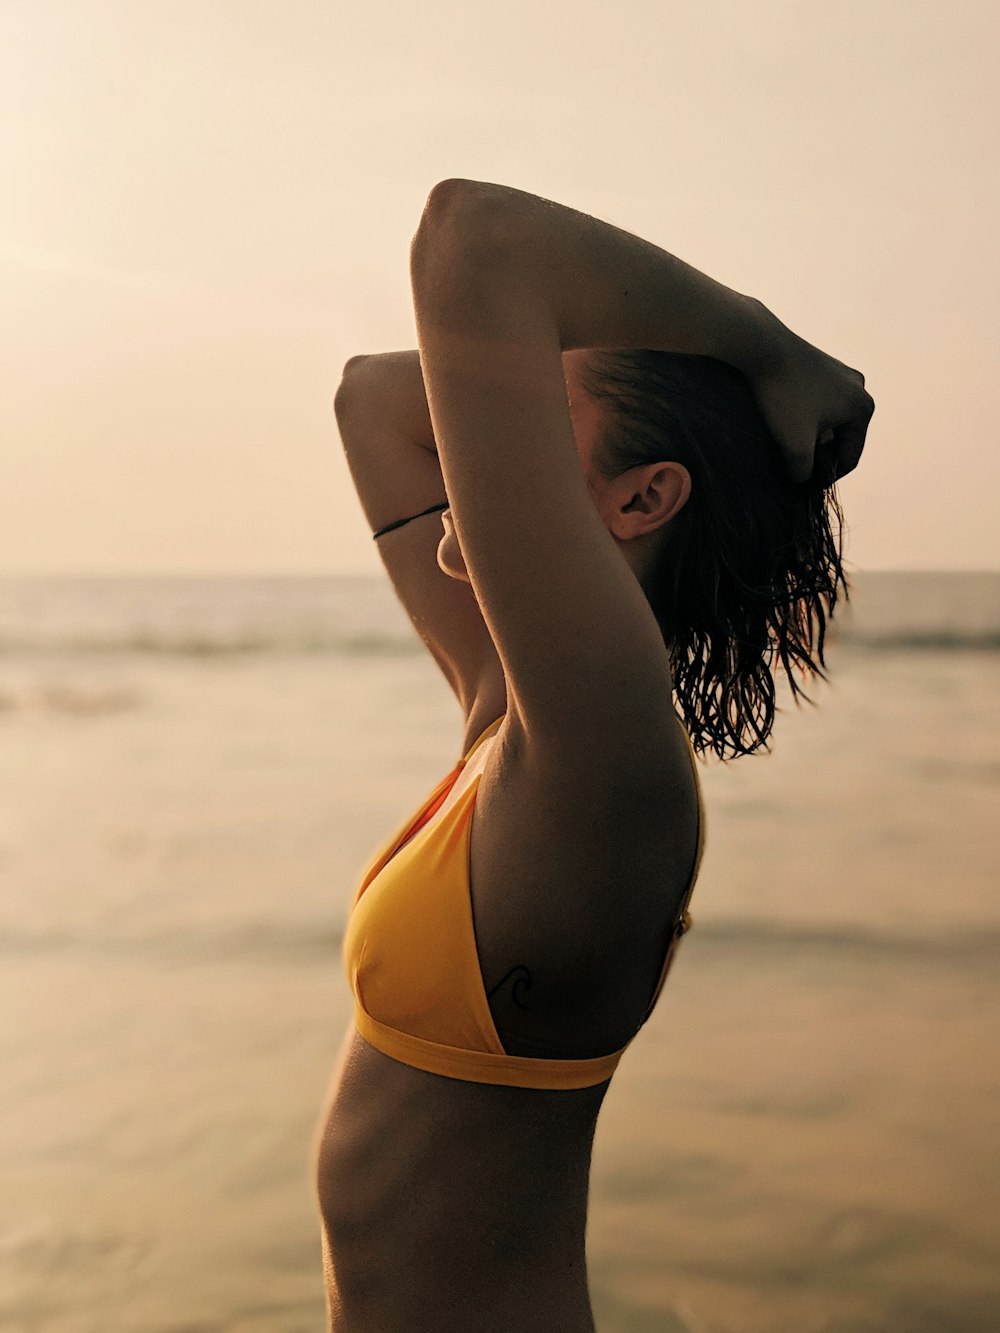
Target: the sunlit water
(195, 773)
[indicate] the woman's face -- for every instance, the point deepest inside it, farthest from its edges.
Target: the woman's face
(585, 414)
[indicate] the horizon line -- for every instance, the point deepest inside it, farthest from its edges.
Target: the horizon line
(11, 575)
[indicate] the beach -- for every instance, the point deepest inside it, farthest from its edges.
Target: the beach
(802, 1138)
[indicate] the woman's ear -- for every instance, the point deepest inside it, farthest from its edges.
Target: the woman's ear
(647, 497)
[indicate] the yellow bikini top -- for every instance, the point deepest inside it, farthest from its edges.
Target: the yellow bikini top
(412, 963)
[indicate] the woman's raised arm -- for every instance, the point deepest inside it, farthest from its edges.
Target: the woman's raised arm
(604, 287)
(385, 428)
(503, 284)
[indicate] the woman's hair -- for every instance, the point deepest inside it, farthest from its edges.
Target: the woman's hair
(751, 564)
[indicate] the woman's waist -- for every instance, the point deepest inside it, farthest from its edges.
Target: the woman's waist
(455, 1291)
(429, 1250)
(417, 1186)
(408, 1155)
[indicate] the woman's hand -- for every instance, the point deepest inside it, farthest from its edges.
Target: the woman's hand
(816, 408)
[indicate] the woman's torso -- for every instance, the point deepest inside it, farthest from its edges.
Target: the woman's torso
(464, 1204)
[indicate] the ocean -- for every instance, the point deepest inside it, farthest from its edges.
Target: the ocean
(195, 773)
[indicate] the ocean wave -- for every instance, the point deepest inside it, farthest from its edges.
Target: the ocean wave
(900, 641)
(390, 645)
(78, 700)
(751, 934)
(257, 939)
(321, 941)
(207, 645)
(361, 616)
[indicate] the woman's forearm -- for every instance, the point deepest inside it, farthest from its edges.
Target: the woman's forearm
(603, 286)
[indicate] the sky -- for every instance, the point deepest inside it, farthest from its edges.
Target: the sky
(207, 209)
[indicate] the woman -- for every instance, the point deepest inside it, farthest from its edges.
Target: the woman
(618, 527)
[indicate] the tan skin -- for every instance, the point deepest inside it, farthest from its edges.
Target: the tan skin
(449, 1205)
(511, 1221)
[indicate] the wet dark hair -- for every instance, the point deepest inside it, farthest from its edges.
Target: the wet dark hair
(749, 569)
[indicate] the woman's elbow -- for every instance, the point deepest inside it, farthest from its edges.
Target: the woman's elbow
(462, 219)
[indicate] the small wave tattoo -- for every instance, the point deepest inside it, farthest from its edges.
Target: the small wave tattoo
(520, 984)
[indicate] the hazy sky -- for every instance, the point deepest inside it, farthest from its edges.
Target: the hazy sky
(207, 208)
